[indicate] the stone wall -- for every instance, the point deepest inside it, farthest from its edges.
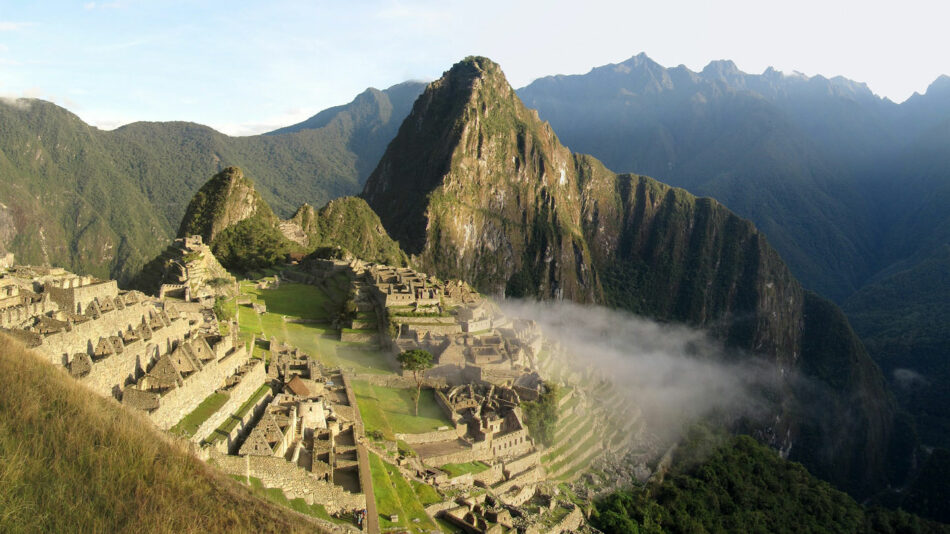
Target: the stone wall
(489, 476)
(236, 397)
(61, 345)
(522, 464)
(180, 401)
(229, 445)
(115, 371)
(530, 476)
(76, 299)
(296, 482)
(359, 337)
(436, 329)
(416, 320)
(431, 437)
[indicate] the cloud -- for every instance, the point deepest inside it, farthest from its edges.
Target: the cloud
(909, 379)
(8, 26)
(674, 374)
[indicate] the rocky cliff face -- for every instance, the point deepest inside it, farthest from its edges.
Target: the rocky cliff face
(225, 200)
(475, 186)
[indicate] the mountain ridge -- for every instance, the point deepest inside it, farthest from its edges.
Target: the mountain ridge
(499, 202)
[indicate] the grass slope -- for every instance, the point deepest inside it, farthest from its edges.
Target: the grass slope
(71, 461)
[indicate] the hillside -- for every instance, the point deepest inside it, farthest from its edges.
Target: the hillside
(73, 461)
(244, 234)
(721, 484)
(103, 202)
(475, 186)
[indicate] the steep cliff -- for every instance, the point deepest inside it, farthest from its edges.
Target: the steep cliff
(476, 186)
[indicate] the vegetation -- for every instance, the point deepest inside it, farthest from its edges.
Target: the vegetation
(395, 496)
(725, 484)
(72, 461)
(455, 470)
(541, 415)
(109, 200)
(416, 361)
(276, 496)
(392, 410)
(208, 407)
(251, 244)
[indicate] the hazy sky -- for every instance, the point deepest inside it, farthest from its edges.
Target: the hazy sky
(247, 67)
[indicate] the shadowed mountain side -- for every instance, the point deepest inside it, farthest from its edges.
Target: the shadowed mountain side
(477, 187)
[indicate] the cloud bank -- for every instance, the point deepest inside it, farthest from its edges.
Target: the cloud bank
(674, 374)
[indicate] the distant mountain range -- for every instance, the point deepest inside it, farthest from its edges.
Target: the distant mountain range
(104, 202)
(853, 190)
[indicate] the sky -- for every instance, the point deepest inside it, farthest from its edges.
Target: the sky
(249, 67)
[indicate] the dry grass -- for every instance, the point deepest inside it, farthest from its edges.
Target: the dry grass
(71, 461)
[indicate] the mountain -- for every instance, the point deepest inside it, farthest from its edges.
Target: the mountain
(73, 458)
(244, 234)
(850, 188)
(719, 484)
(476, 186)
(103, 202)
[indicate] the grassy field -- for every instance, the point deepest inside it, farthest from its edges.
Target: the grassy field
(71, 461)
(391, 410)
(190, 423)
(455, 470)
(394, 495)
(299, 301)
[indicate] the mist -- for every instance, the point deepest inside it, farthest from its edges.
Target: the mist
(676, 375)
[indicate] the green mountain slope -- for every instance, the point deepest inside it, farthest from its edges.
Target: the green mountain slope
(475, 186)
(75, 462)
(104, 202)
(244, 234)
(737, 485)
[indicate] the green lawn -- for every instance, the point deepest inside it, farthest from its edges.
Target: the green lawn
(394, 495)
(455, 470)
(391, 410)
(297, 300)
(318, 340)
(190, 423)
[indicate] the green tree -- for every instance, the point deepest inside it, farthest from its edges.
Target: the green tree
(417, 361)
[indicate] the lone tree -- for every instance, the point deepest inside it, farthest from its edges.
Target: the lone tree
(417, 361)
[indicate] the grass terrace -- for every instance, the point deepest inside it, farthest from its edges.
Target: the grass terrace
(390, 410)
(222, 431)
(455, 470)
(319, 339)
(394, 495)
(208, 407)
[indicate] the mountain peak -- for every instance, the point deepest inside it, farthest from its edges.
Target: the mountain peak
(721, 67)
(226, 199)
(940, 85)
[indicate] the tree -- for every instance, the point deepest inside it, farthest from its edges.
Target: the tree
(417, 361)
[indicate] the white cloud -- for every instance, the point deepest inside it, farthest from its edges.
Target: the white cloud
(8, 26)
